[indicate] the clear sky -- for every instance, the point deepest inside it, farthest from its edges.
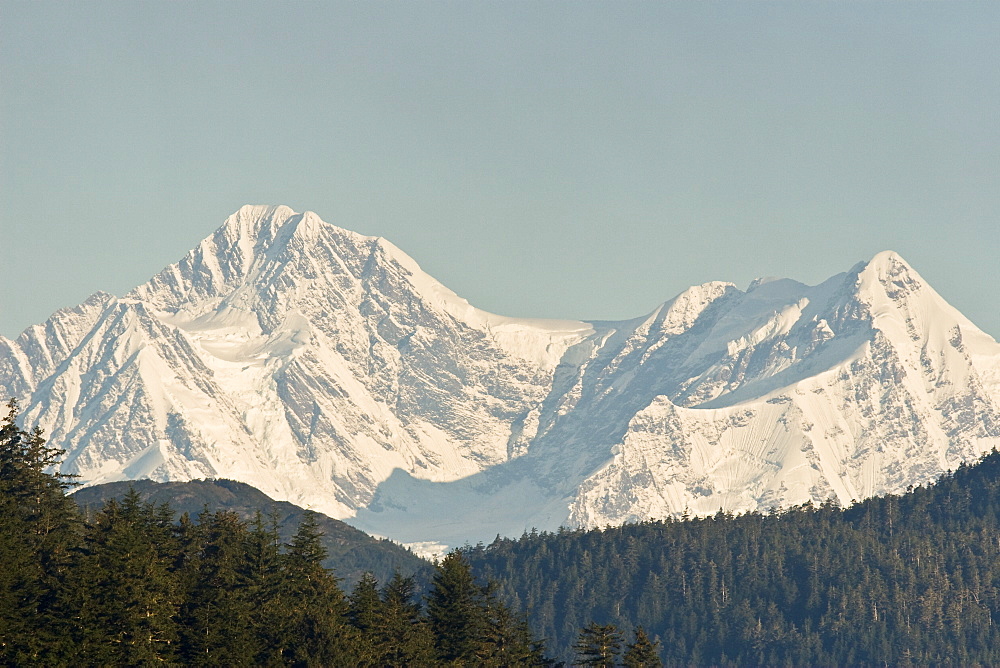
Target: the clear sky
(545, 159)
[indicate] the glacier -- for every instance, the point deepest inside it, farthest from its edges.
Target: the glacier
(326, 368)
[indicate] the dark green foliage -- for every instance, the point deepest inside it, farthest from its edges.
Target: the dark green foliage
(402, 635)
(350, 552)
(392, 629)
(897, 579)
(264, 574)
(217, 610)
(126, 592)
(131, 587)
(316, 622)
(38, 530)
(365, 603)
(641, 652)
(507, 639)
(471, 625)
(598, 645)
(364, 612)
(455, 611)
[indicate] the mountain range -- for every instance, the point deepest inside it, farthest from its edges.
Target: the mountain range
(325, 368)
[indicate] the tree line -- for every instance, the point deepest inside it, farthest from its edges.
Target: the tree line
(350, 552)
(910, 579)
(132, 586)
(127, 584)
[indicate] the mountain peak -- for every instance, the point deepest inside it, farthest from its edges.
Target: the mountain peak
(253, 224)
(888, 275)
(325, 367)
(249, 218)
(887, 263)
(250, 212)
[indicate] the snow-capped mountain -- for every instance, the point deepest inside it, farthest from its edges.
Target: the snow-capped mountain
(324, 367)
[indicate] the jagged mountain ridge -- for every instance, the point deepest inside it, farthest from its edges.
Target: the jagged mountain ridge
(325, 368)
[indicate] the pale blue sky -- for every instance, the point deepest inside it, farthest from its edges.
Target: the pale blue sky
(546, 159)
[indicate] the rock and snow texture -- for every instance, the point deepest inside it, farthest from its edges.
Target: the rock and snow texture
(325, 368)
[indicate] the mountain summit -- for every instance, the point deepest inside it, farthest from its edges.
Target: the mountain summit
(326, 368)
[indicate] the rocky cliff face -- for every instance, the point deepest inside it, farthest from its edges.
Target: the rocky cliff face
(326, 368)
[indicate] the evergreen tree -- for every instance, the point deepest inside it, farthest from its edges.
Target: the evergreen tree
(217, 612)
(402, 634)
(263, 580)
(455, 612)
(598, 645)
(21, 592)
(317, 631)
(38, 532)
(364, 612)
(126, 593)
(507, 638)
(641, 653)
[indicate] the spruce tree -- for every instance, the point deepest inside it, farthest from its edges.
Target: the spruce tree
(127, 594)
(21, 592)
(598, 645)
(455, 611)
(38, 532)
(507, 638)
(641, 652)
(402, 633)
(317, 631)
(217, 612)
(263, 581)
(364, 610)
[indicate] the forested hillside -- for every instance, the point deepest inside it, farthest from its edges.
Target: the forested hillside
(350, 552)
(129, 586)
(896, 580)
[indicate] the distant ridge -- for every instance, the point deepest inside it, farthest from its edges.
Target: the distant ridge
(351, 552)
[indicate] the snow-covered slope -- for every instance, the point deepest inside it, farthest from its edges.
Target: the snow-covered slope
(325, 368)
